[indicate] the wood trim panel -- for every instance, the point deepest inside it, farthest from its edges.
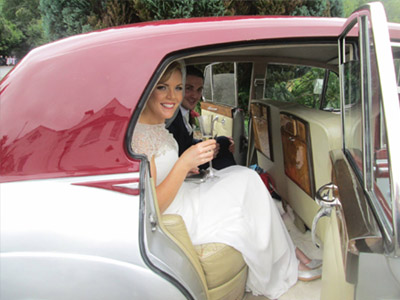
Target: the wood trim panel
(260, 116)
(297, 154)
(217, 109)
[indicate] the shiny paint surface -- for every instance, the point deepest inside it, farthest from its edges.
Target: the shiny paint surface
(88, 221)
(65, 238)
(66, 106)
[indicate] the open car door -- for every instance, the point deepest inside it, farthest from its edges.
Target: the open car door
(363, 199)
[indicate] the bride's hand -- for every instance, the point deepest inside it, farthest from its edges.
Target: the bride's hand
(194, 171)
(198, 154)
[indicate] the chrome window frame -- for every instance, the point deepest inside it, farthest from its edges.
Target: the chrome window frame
(374, 12)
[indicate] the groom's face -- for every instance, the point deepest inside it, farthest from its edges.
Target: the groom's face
(193, 91)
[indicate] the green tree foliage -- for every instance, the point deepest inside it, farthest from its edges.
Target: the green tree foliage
(24, 24)
(392, 8)
(10, 37)
(47, 20)
(63, 18)
(115, 13)
(326, 8)
(160, 10)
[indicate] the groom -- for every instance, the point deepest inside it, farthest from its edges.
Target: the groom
(181, 125)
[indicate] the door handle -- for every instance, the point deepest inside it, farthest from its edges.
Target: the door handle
(212, 108)
(327, 200)
(153, 222)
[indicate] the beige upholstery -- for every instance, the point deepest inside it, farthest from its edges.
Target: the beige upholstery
(220, 262)
(221, 267)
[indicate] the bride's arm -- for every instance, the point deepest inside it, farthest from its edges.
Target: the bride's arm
(191, 158)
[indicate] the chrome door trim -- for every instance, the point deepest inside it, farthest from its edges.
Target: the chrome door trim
(154, 243)
(357, 214)
(358, 227)
(391, 110)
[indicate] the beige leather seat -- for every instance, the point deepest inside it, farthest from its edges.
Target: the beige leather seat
(221, 267)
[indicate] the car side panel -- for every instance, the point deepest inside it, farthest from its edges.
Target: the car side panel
(60, 240)
(72, 276)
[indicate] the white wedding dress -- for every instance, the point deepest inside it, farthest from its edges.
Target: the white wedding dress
(235, 209)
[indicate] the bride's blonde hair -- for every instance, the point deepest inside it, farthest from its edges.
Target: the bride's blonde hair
(175, 66)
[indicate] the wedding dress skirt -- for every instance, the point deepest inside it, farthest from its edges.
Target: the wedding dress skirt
(236, 209)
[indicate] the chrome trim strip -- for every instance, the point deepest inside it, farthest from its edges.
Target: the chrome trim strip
(391, 108)
(132, 185)
(391, 111)
(364, 95)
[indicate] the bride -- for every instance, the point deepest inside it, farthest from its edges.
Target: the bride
(235, 209)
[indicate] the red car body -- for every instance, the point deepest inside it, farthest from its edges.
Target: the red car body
(60, 100)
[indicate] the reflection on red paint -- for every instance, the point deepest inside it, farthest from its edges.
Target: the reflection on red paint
(94, 145)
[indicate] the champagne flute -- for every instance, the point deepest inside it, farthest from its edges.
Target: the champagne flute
(207, 128)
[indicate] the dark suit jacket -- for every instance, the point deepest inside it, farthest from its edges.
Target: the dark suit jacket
(185, 140)
(180, 133)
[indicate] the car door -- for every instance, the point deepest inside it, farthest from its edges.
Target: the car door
(221, 100)
(361, 245)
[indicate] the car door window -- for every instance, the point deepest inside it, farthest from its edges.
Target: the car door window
(396, 60)
(220, 84)
(352, 111)
(310, 86)
(364, 117)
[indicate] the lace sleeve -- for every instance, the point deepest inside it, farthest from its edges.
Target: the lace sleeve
(152, 140)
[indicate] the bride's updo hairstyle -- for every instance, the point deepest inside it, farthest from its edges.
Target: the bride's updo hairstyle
(175, 66)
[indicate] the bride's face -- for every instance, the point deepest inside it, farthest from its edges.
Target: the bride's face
(165, 99)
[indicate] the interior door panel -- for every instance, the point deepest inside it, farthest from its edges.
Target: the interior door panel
(230, 123)
(260, 116)
(223, 126)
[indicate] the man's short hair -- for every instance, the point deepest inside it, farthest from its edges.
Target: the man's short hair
(190, 70)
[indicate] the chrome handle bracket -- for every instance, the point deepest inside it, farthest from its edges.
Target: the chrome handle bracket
(326, 199)
(153, 222)
(322, 212)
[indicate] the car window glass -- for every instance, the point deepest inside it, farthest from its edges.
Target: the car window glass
(396, 60)
(301, 84)
(332, 95)
(365, 141)
(219, 84)
(353, 114)
(380, 163)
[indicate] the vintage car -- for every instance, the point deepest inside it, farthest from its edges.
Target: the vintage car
(313, 101)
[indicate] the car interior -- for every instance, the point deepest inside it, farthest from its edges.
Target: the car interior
(280, 101)
(280, 104)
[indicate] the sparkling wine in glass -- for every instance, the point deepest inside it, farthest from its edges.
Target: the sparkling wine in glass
(207, 129)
